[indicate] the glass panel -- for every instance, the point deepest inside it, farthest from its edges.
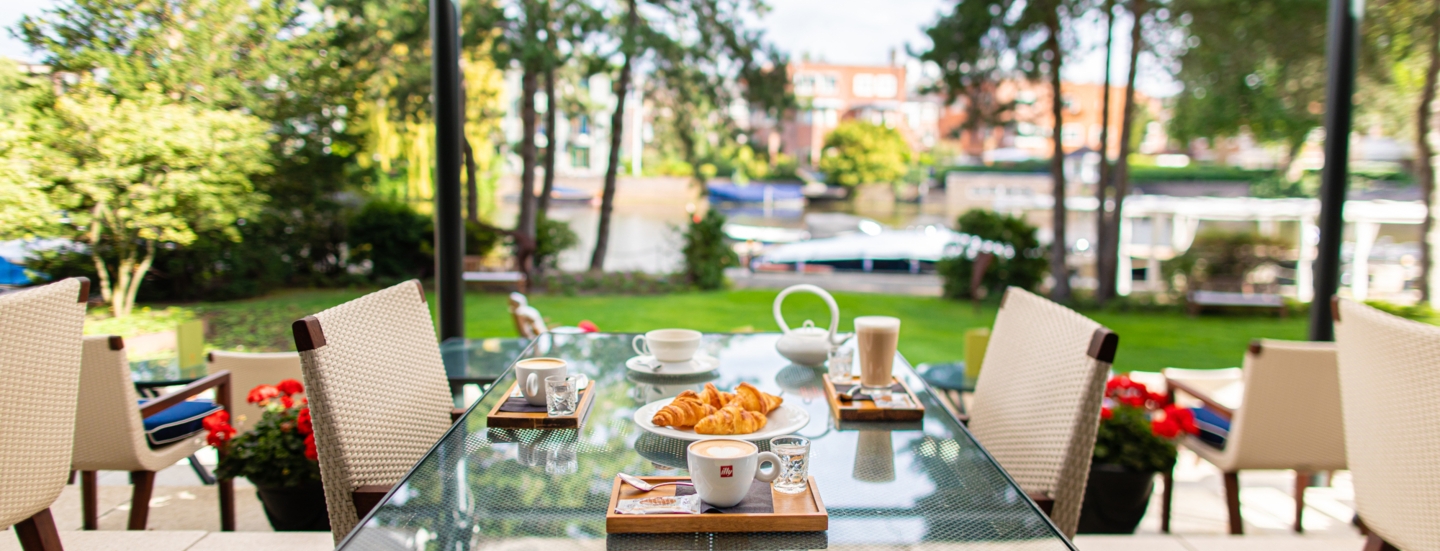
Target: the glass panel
(921, 485)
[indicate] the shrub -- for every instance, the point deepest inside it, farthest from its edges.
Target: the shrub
(1025, 269)
(609, 283)
(858, 152)
(552, 237)
(706, 254)
(1221, 260)
(396, 240)
(480, 240)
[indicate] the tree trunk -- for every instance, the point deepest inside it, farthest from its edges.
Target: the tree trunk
(617, 126)
(1424, 167)
(551, 140)
(1104, 257)
(472, 187)
(526, 224)
(1127, 122)
(1058, 269)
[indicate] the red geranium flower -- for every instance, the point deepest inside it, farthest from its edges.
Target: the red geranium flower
(310, 452)
(287, 401)
(1184, 419)
(303, 422)
(1106, 414)
(216, 420)
(1160, 399)
(290, 387)
(1164, 427)
(587, 326)
(262, 394)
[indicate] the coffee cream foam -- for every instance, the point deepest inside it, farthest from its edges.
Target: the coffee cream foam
(723, 449)
(537, 363)
(877, 323)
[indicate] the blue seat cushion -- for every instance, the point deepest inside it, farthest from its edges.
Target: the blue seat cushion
(1214, 428)
(177, 422)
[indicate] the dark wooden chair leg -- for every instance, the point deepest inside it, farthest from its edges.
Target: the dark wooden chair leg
(90, 500)
(1302, 481)
(38, 533)
(1374, 542)
(227, 504)
(1232, 501)
(1167, 479)
(144, 482)
(71, 481)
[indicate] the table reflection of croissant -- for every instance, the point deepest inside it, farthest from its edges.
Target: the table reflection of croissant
(748, 407)
(731, 419)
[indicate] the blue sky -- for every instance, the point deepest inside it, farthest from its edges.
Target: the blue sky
(840, 31)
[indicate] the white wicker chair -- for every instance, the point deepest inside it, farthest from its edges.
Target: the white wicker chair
(110, 432)
(1288, 418)
(247, 371)
(1390, 393)
(378, 395)
(1037, 402)
(40, 332)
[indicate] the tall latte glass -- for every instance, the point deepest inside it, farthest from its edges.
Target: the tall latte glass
(875, 340)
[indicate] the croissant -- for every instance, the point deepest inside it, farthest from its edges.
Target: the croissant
(731, 420)
(715, 397)
(752, 399)
(683, 412)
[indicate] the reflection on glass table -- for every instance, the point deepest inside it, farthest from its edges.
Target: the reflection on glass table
(920, 485)
(467, 362)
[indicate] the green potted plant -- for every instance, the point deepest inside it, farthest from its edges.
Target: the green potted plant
(278, 455)
(1136, 439)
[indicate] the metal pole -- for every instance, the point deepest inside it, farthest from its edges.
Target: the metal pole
(1339, 91)
(449, 120)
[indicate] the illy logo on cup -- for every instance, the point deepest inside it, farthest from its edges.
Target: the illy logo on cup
(727, 471)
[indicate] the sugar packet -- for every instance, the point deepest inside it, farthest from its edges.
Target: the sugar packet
(660, 505)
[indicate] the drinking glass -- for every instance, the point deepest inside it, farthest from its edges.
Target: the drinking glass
(562, 394)
(842, 365)
(794, 453)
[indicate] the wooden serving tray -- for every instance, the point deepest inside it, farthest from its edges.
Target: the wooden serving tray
(540, 420)
(865, 410)
(802, 512)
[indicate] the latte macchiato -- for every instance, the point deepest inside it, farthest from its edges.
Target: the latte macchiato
(720, 449)
(875, 340)
(531, 374)
(722, 469)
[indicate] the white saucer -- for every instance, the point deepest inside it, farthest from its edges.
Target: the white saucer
(786, 419)
(701, 363)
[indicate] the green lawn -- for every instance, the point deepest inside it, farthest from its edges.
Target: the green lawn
(930, 332)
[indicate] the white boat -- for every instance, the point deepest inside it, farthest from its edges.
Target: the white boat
(912, 250)
(764, 234)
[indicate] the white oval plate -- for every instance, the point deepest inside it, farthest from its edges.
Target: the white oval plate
(701, 363)
(786, 419)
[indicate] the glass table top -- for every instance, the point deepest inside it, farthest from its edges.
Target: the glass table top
(474, 361)
(917, 485)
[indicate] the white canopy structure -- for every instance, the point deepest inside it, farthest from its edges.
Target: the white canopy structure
(1184, 214)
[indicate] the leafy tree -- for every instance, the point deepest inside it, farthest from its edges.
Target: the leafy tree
(25, 211)
(555, 237)
(858, 152)
(706, 254)
(1025, 269)
(969, 45)
(1255, 66)
(135, 173)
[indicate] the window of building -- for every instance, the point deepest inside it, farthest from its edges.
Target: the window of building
(832, 117)
(886, 86)
(814, 84)
(582, 125)
(863, 85)
(1072, 134)
(579, 157)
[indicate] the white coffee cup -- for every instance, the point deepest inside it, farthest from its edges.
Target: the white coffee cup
(723, 469)
(668, 345)
(531, 374)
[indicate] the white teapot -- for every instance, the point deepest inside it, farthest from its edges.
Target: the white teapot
(808, 345)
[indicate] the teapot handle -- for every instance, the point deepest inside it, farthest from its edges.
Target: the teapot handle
(829, 301)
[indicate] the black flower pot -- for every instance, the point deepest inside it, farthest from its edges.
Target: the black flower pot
(1115, 499)
(295, 508)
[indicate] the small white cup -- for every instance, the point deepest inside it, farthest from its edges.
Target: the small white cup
(668, 345)
(724, 481)
(531, 374)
